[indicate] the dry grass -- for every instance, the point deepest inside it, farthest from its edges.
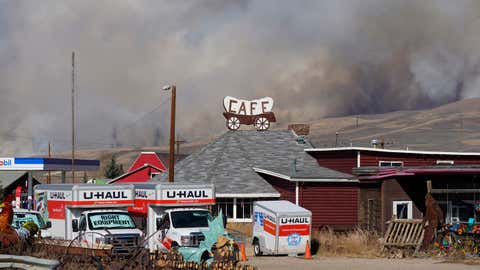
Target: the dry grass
(358, 243)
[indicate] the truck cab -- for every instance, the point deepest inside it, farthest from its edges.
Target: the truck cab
(174, 214)
(20, 216)
(181, 227)
(108, 226)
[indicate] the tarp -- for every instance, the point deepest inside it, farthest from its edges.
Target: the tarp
(215, 229)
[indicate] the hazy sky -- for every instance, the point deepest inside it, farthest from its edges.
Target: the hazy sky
(314, 58)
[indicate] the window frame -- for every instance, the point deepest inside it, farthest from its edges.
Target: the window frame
(232, 204)
(391, 163)
(445, 162)
(409, 208)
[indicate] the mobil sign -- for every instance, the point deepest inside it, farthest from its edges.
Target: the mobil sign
(21, 164)
(6, 162)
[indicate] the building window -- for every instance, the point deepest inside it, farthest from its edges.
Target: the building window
(445, 162)
(244, 209)
(390, 163)
(403, 209)
(237, 209)
(226, 205)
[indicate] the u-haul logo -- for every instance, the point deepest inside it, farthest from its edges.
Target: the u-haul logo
(57, 195)
(104, 195)
(144, 194)
(294, 220)
(187, 194)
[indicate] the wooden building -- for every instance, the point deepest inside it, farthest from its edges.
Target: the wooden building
(146, 166)
(393, 182)
(246, 166)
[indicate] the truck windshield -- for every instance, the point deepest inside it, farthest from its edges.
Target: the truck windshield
(20, 218)
(190, 219)
(110, 220)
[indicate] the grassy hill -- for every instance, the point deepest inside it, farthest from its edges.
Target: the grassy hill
(452, 127)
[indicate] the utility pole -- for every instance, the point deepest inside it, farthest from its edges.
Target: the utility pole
(178, 142)
(49, 180)
(73, 117)
(172, 132)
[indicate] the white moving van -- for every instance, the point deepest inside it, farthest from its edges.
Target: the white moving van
(93, 214)
(280, 227)
(175, 213)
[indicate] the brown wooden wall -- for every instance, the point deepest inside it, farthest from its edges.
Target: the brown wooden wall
(284, 187)
(393, 191)
(332, 204)
(373, 159)
(342, 161)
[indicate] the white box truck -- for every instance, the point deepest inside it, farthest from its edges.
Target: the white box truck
(280, 227)
(175, 213)
(93, 214)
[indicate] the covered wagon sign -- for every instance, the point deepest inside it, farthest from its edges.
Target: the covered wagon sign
(256, 112)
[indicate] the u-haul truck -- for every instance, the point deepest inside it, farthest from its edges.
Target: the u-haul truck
(280, 227)
(94, 214)
(175, 213)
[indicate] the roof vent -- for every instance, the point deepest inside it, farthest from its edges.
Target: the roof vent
(301, 140)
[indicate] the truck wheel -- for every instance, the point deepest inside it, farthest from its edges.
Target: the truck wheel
(256, 249)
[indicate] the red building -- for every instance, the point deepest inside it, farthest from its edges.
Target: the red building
(145, 167)
(393, 182)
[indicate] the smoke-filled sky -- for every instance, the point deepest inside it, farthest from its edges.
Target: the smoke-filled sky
(314, 58)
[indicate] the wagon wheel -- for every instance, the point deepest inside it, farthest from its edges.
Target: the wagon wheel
(262, 123)
(233, 123)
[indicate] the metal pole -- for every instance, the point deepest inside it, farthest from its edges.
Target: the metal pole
(30, 190)
(49, 180)
(172, 137)
(73, 117)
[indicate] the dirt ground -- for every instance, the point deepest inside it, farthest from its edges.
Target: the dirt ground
(288, 263)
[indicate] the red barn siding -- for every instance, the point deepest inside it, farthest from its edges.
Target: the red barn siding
(342, 161)
(142, 175)
(373, 159)
(332, 204)
(284, 187)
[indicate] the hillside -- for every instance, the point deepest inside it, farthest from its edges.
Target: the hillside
(451, 127)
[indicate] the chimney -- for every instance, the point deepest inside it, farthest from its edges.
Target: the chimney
(300, 129)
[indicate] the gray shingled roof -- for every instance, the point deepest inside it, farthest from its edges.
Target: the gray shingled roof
(228, 162)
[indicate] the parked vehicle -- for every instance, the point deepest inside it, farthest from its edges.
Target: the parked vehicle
(94, 214)
(20, 216)
(174, 214)
(280, 227)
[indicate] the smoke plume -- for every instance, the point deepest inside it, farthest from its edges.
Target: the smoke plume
(314, 58)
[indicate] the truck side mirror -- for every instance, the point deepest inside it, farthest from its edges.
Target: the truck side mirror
(75, 225)
(48, 225)
(159, 223)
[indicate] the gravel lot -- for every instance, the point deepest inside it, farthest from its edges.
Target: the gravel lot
(289, 263)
